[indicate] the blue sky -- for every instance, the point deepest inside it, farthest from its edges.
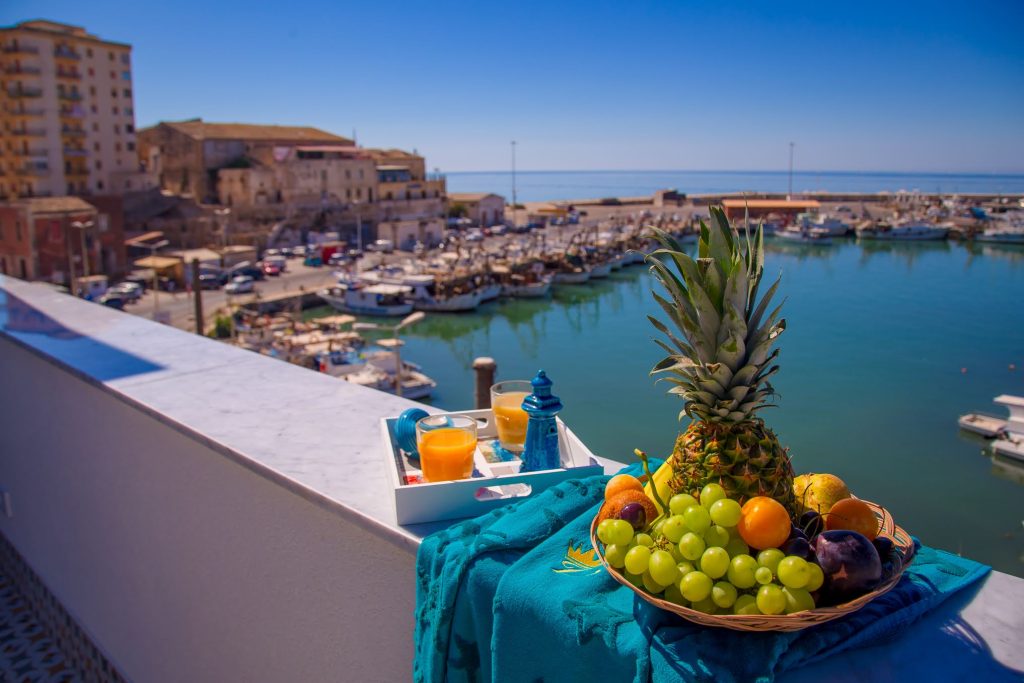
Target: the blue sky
(897, 86)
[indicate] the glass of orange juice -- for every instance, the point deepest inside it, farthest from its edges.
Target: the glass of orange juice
(446, 444)
(509, 416)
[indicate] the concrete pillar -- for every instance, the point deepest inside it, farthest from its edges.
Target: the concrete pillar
(485, 369)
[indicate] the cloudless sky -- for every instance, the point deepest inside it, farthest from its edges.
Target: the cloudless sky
(898, 86)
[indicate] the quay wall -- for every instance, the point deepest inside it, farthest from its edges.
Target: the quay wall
(178, 563)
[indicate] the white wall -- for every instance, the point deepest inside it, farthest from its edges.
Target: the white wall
(181, 564)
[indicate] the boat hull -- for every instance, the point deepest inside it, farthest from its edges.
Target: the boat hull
(339, 304)
(572, 278)
(454, 304)
(601, 270)
(536, 290)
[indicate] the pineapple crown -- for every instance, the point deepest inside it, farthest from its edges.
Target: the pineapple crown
(719, 345)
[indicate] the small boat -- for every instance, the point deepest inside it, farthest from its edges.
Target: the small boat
(576, 277)
(988, 426)
(430, 292)
(804, 235)
(600, 270)
(380, 299)
(490, 291)
(1008, 229)
(909, 230)
(830, 225)
(1010, 435)
(380, 371)
(528, 290)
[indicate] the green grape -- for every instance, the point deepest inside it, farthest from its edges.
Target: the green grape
(771, 599)
(616, 555)
(651, 585)
(674, 528)
(741, 571)
(736, 546)
(680, 502)
(745, 604)
(603, 531)
(637, 559)
(697, 519)
(673, 550)
(620, 532)
(725, 512)
(763, 575)
(635, 579)
(658, 526)
(797, 600)
(644, 539)
(710, 494)
(716, 536)
(695, 586)
(707, 606)
(662, 567)
(770, 558)
(817, 577)
(672, 594)
(723, 594)
(691, 546)
(793, 572)
(714, 562)
(685, 568)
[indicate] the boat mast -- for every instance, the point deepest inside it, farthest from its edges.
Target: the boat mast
(515, 206)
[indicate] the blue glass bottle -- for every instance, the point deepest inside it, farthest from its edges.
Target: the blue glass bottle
(540, 452)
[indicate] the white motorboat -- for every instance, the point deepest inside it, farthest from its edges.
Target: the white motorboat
(804, 235)
(1010, 433)
(380, 371)
(910, 230)
(379, 299)
(831, 225)
(1008, 229)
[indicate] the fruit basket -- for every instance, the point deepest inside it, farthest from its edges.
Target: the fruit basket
(901, 556)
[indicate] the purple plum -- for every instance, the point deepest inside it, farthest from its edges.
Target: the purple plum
(850, 563)
(800, 547)
(635, 514)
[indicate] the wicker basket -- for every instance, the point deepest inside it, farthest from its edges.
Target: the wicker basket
(902, 541)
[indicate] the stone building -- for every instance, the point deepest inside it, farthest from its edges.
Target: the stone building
(483, 208)
(67, 113)
(186, 156)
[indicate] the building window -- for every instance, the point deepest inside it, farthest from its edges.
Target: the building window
(360, 174)
(99, 164)
(129, 128)
(128, 111)
(124, 57)
(95, 145)
(92, 90)
(131, 146)
(88, 52)
(113, 92)
(92, 72)
(93, 109)
(99, 185)
(113, 75)
(95, 127)
(348, 174)
(117, 147)
(127, 92)
(126, 75)
(111, 55)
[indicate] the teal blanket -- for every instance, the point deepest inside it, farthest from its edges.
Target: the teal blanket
(518, 595)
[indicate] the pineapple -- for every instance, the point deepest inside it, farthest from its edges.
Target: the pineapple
(719, 360)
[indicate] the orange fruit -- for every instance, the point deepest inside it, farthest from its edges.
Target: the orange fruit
(853, 515)
(620, 483)
(764, 523)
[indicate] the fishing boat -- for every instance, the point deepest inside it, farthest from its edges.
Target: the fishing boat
(362, 299)
(906, 230)
(831, 225)
(1006, 229)
(804, 235)
(600, 270)
(523, 280)
(434, 293)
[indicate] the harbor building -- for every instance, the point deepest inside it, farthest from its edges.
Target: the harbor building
(57, 239)
(483, 208)
(186, 156)
(67, 113)
(412, 203)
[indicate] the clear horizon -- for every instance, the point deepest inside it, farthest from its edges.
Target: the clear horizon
(881, 88)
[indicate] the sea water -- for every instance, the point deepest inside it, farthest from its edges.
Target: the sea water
(537, 186)
(886, 345)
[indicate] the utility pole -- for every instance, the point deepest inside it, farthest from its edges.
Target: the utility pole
(198, 297)
(71, 262)
(789, 195)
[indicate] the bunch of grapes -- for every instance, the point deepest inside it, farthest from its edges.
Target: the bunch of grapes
(695, 557)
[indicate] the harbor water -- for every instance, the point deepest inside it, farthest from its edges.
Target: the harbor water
(543, 186)
(886, 345)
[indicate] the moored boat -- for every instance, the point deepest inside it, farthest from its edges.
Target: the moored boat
(909, 230)
(378, 299)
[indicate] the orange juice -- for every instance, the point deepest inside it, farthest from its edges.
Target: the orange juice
(446, 453)
(510, 419)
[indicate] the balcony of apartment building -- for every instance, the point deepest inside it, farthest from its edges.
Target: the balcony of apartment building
(19, 109)
(71, 111)
(27, 132)
(19, 49)
(206, 513)
(69, 95)
(22, 70)
(72, 131)
(68, 74)
(66, 52)
(26, 151)
(22, 92)
(33, 169)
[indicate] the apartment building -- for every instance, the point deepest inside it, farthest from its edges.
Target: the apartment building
(411, 206)
(186, 156)
(67, 113)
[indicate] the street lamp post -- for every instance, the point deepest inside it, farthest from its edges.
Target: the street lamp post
(396, 342)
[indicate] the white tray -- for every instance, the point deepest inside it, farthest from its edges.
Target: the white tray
(493, 483)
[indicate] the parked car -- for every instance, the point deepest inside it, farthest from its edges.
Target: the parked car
(245, 268)
(271, 269)
(337, 258)
(211, 280)
(113, 300)
(475, 235)
(131, 291)
(386, 246)
(241, 284)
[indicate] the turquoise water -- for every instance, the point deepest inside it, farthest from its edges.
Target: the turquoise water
(540, 186)
(886, 346)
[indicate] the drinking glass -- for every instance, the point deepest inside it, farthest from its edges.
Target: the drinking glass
(446, 444)
(509, 416)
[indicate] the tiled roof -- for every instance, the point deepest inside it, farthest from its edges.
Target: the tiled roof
(203, 130)
(57, 205)
(391, 154)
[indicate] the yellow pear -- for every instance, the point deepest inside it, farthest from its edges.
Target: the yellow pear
(819, 492)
